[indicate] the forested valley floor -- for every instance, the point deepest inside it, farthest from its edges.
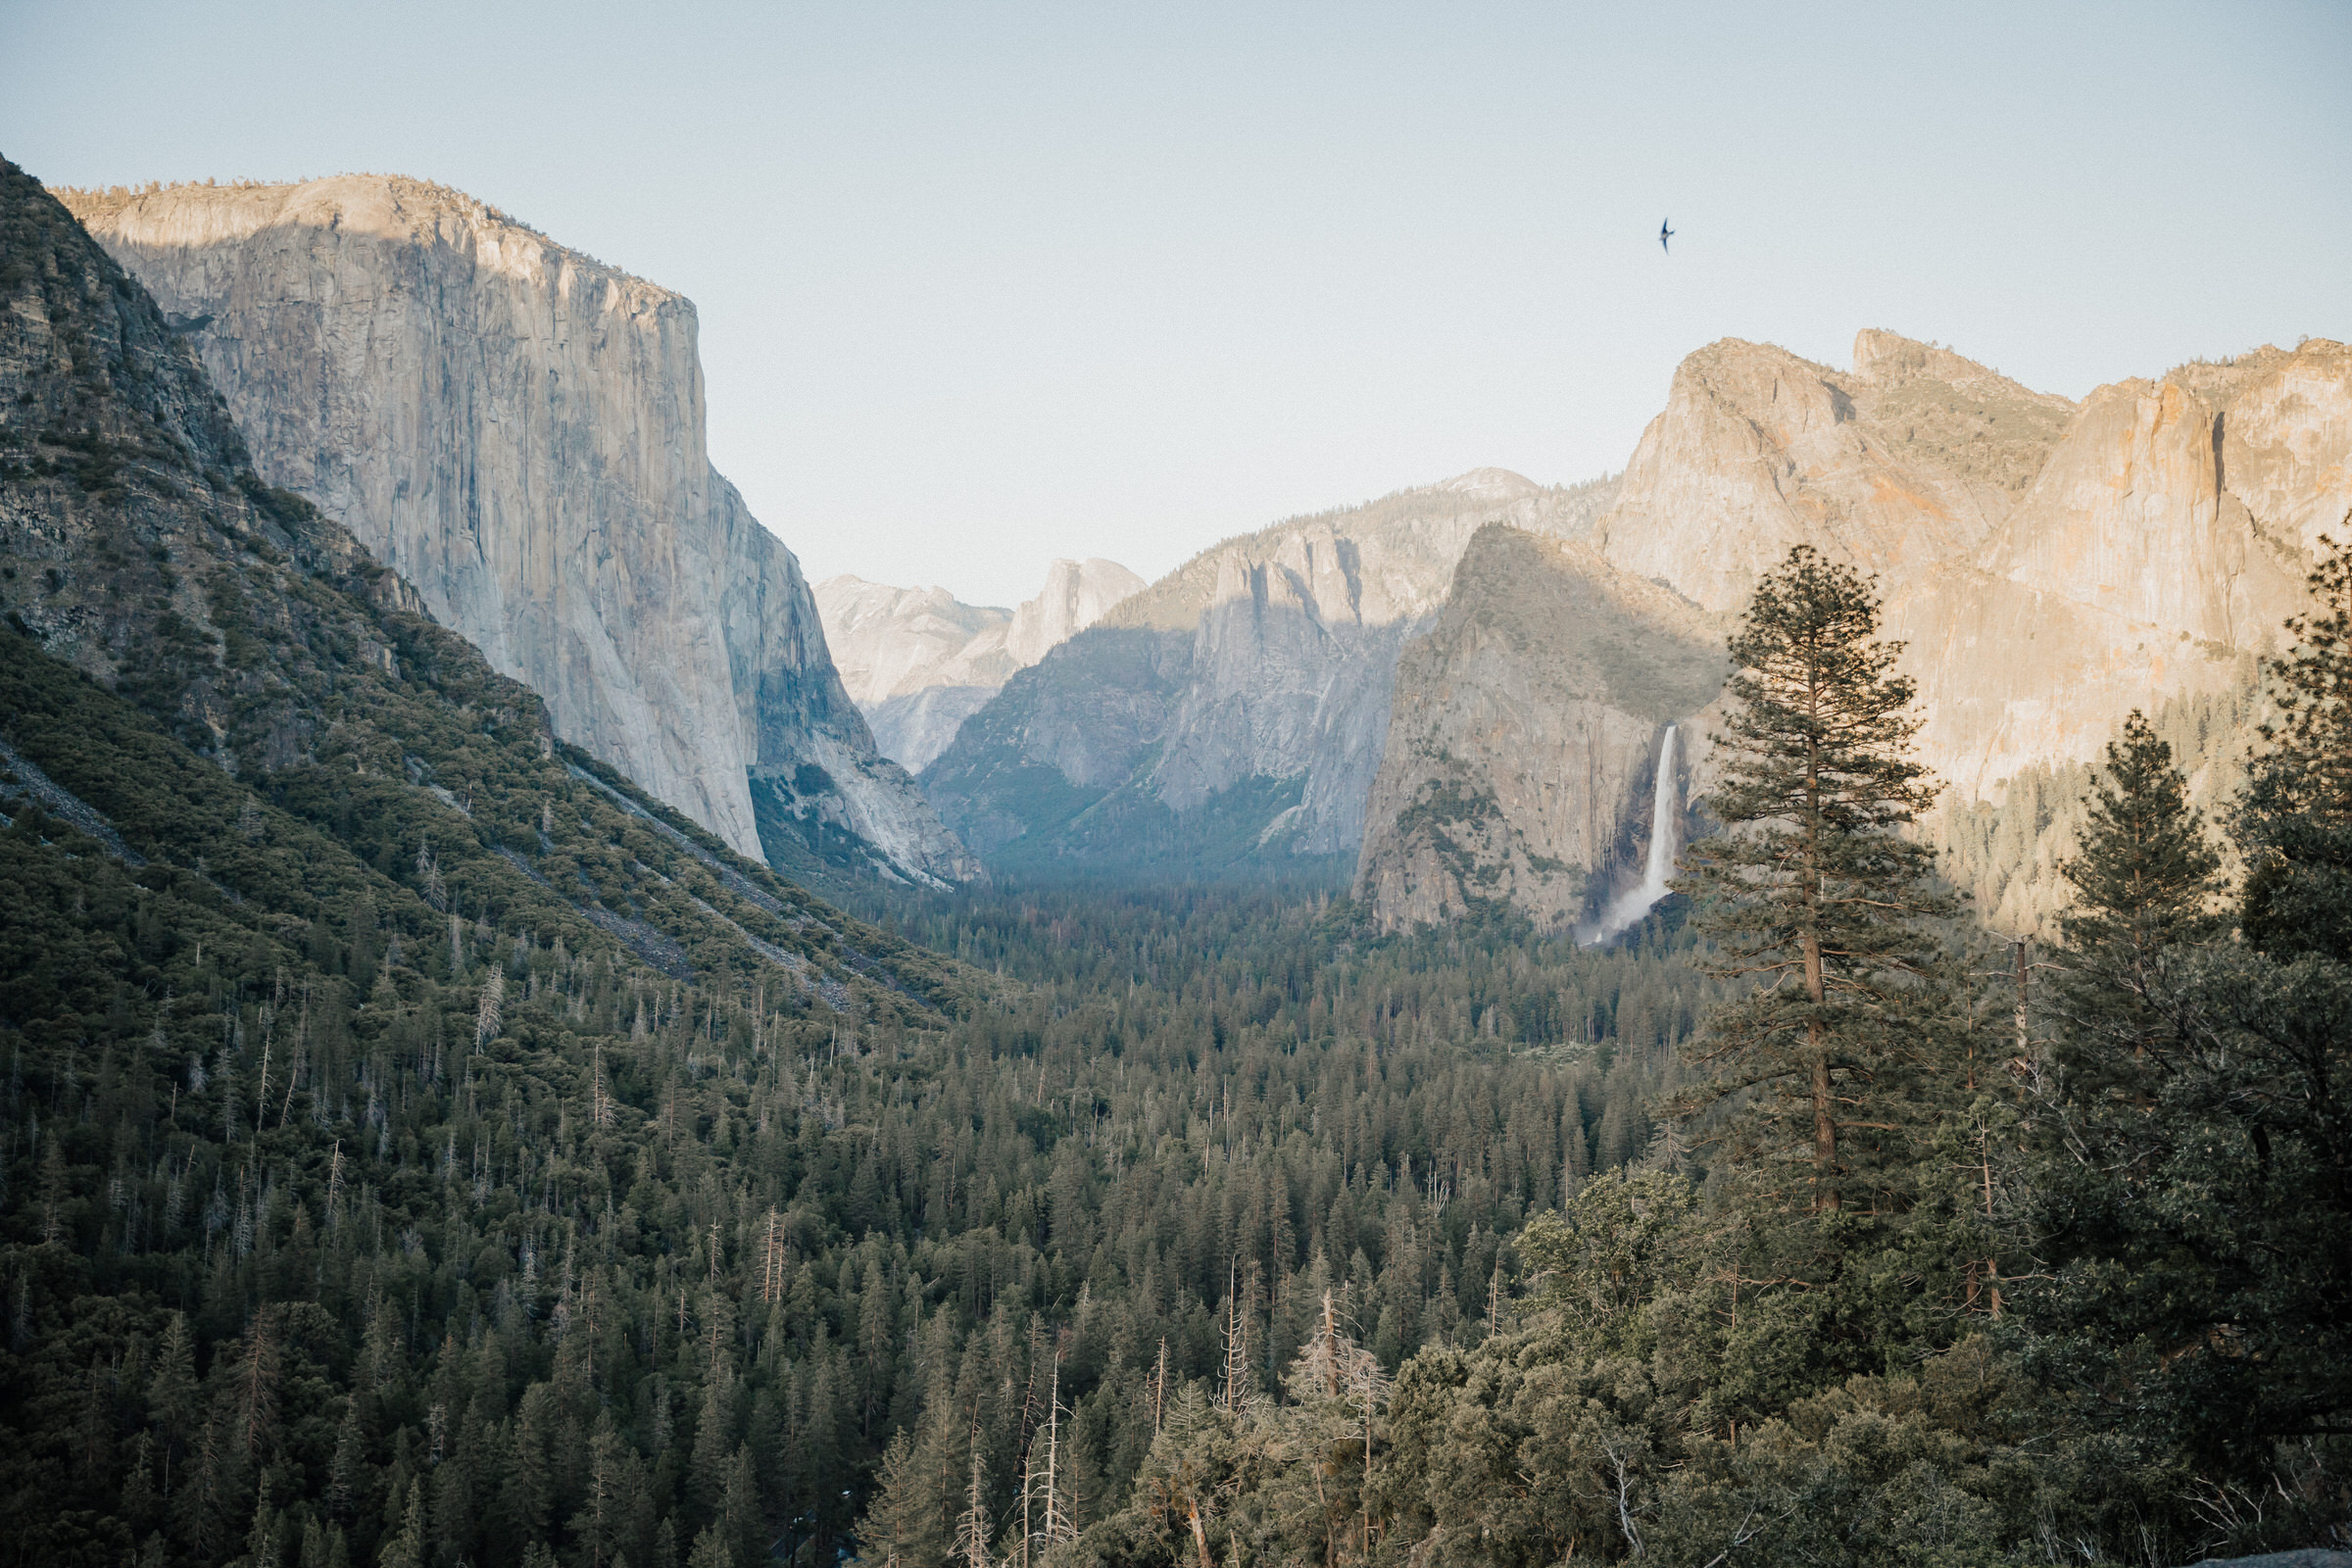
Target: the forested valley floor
(389, 1233)
(307, 1235)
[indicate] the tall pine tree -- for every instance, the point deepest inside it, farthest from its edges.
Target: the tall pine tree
(1813, 895)
(2144, 881)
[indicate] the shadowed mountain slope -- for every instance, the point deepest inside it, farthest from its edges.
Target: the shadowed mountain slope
(1235, 709)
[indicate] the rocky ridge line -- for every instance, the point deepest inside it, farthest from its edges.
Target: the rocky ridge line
(2049, 566)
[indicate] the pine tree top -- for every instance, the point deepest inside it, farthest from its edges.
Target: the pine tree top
(1817, 783)
(2146, 874)
(1822, 722)
(2313, 690)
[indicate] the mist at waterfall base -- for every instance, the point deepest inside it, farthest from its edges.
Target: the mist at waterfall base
(1630, 906)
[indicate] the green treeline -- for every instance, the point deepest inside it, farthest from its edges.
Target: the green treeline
(1212, 1229)
(298, 1228)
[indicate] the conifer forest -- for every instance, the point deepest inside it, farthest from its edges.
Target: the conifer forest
(422, 1147)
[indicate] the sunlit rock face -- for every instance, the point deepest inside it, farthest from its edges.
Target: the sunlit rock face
(519, 429)
(918, 661)
(2050, 566)
(2143, 563)
(1912, 458)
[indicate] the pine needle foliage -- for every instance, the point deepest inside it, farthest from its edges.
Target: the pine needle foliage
(2298, 802)
(1813, 895)
(2145, 885)
(2194, 1204)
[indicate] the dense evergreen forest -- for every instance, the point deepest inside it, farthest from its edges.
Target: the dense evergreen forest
(420, 1147)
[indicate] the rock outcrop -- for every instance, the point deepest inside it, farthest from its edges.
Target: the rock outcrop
(2130, 574)
(1236, 707)
(2050, 566)
(1076, 595)
(519, 429)
(1524, 737)
(918, 661)
(1911, 460)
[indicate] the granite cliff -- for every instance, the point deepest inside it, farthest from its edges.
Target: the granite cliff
(1236, 709)
(1523, 741)
(2149, 566)
(518, 430)
(2050, 566)
(1910, 459)
(918, 661)
(2128, 574)
(230, 694)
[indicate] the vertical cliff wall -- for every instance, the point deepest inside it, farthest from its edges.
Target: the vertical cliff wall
(1911, 459)
(2052, 566)
(518, 430)
(2139, 568)
(1522, 752)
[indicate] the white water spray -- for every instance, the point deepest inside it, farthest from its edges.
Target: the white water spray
(1638, 900)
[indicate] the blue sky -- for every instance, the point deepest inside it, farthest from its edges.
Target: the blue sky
(982, 286)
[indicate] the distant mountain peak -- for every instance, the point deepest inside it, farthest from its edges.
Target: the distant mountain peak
(919, 660)
(1491, 484)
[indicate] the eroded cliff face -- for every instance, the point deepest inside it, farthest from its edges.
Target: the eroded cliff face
(1910, 459)
(1238, 707)
(1292, 663)
(2136, 569)
(518, 430)
(1523, 743)
(2049, 567)
(918, 661)
(2287, 442)
(1076, 595)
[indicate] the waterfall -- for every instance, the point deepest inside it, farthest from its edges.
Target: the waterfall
(1638, 900)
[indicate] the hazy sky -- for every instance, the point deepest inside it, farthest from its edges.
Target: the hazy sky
(982, 286)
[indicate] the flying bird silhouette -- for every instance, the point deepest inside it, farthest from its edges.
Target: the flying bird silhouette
(1665, 234)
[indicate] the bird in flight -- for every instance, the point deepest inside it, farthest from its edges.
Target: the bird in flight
(1665, 234)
